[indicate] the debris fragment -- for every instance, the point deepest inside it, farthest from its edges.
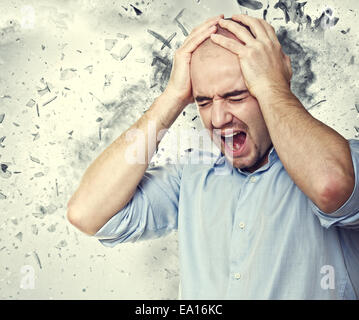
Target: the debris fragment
(2, 196)
(110, 43)
(89, 69)
(31, 103)
(68, 73)
(43, 91)
(2, 116)
(316, 104)
(35, 159)
(47, 102)
(108, 78)
(36, 136)
(4, 173)
(122, 36)
(57, 189)
(357, 130)
(52, 228)
(19, 236)
(138, 11)
(345, 31)
(3, 167)
(125, 51)
(34, 229)
(265, 12)
(61, 244)
(166, 42)
(97, 98)
(37, 259)
(39, 174)
(250, 4)
(51, 208)
(180, 25)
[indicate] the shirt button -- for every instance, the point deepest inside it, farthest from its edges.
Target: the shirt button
(237, 276)
(253, 179)
(242, 225)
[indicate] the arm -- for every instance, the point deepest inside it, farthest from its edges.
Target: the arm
(111, 180)
(316, 157)
(98, 197)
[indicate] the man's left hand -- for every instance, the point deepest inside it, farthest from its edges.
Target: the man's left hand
(264, 65)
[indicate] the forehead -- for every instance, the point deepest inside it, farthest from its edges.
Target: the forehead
(215, 71)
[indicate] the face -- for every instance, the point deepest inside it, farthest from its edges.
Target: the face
(228, 111)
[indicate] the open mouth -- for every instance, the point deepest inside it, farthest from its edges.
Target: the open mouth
(234, 142)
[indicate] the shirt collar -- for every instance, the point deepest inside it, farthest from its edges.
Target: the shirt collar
(222, 161)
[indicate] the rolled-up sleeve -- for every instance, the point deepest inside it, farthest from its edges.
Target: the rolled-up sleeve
(151, 213)
(347, 215)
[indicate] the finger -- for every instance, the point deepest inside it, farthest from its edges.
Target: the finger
(239, 31)
(207, 24)
(203, 27)
(270, 31)
(253, 23)
(227, 43)
(193, 43)
(215, 18)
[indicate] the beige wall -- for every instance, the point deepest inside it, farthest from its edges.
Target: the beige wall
(68, 47)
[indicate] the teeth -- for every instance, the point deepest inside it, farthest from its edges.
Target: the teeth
(230, 135)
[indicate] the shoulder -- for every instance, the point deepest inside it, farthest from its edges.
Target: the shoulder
(354, 144)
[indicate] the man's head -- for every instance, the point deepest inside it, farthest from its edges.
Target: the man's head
(226, 105)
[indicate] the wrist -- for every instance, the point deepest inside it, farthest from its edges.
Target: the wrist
(274, 92)
(175, 99)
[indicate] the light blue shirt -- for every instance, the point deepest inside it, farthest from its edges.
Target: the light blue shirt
(245, 235)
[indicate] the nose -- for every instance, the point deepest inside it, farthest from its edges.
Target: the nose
(220, 113)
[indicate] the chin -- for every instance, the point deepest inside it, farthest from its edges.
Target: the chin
(240, 162)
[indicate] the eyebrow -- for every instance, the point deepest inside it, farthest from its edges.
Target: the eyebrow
(226, 95)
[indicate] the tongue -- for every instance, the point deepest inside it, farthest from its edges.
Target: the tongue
(238, 140)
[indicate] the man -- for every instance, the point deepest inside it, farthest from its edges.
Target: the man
(281, 219)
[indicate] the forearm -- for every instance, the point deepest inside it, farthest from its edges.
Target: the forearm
(316, 157)
(110, 181)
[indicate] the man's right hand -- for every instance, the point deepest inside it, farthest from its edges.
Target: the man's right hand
(179, 85)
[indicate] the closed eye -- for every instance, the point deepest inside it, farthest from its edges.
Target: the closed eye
(204, 104)
(232, 100)
(236, 99)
